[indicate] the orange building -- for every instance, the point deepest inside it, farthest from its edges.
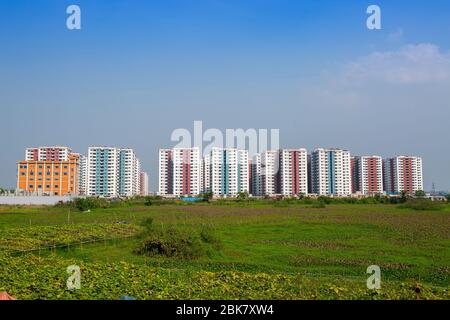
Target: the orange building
(56, 178)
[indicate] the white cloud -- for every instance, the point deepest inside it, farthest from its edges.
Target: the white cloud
(412, 64)
(400, 79)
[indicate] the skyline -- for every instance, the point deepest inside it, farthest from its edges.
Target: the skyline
(62, 154)
(136, 72)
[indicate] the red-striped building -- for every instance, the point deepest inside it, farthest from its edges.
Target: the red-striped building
(367, 175)
(403, 174)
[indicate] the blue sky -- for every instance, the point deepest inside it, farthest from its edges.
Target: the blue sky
(140, 69)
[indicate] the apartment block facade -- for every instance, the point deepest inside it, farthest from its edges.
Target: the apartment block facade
(367, 175)
(205, 176)
(265, 173)
(225, 172)
(180, 171)
(293, 172)
(283, 172)
(82, 176)
(331, 172)
(165, 183)
(403, 174)
(143, 176)
(112, 172)
(56, 153)
(49, 177)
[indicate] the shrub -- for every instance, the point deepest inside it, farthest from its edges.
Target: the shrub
(172, 242)
(421, 204)
(148, 201)
(420, 194)
(84, 204)
(325, 200)
(243, 196)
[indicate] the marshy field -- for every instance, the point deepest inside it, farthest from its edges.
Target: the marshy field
(255, 249)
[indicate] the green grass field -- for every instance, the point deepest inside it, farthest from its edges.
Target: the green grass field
(259, 250)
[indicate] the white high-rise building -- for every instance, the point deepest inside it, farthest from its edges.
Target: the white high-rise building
(265, 173)
(283, 172)
(129, 173)
(225, 172)
(367, 175)
(205, 176)
(144, 183)
(165, 182)
(331, 172)
(256, 175)
(293, 174)
(403, 174)
(82, 177)
(179, 171)
(112, 172)
(55, 153)
(186, 171)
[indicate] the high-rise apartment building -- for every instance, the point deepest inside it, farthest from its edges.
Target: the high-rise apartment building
(82, 176)
(403, 174)
(165, 183)
(49, 176)
(367, 175)
(205, 176)
(265, 173)
(293, 172)
(56, 153)
(143, 184)
(179, 171)
(225, 172)
(283, 172)
(112, 172)
(331, 172)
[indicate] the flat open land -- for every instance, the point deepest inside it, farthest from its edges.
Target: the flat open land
(232, 250)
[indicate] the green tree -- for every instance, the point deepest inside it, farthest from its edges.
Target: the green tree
(403, 197)
(243, 195)
(420, 194)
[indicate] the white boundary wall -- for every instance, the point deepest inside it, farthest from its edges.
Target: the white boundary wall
(33, 200)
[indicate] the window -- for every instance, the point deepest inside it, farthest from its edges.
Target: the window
(56, 186)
